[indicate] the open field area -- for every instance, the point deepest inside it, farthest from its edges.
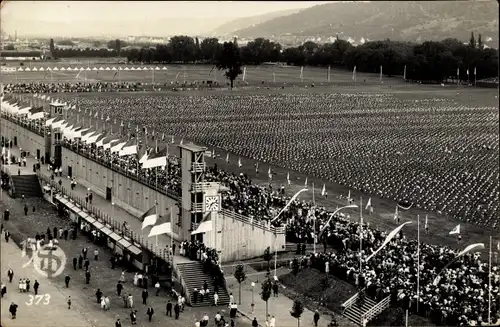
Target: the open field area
(255, 75)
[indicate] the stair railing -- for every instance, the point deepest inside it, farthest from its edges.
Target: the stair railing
(376, 310)
(347, 304)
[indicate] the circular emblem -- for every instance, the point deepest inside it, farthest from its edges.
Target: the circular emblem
(47, 261)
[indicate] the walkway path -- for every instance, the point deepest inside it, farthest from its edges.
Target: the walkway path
(103, 205)
(36, 314)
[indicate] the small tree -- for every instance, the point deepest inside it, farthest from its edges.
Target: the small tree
(240, 276)
(230, 61)
(265, 294)
(297, 311)
(268, 257)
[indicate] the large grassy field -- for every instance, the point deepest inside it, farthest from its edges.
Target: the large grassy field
(255, 75)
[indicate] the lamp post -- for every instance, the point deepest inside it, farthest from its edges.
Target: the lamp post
(276, 235)
(253, 288)
(331, 216)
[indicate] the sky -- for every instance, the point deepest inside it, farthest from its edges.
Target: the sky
(69, 17)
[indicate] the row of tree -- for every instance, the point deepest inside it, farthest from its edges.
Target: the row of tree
(427, 62)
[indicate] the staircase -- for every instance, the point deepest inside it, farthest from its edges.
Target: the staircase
(193, 276)
(27, 185)
(354, 313)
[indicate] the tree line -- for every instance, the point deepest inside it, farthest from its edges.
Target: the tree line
(430, 61)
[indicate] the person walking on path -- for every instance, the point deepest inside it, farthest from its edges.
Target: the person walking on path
(10, 273)
(36, 286)
(119, 288)
(13, 310)
(177, 310)
(96, 254)
(118, 323)
(66, 280)
(80, 262)
(150, 313)
(69, 302)
(87, 277)
(145, 295)
(169, 308)
(316, 318)
(98, 295)
(75, 262)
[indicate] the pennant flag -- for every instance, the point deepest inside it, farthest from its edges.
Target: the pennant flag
(182, 141)
(470, 248)
(244, 73)
(396, 214)
(426, 225)
(323, 191)
(163, 137)
(467, 72)
(288, 178)
(158, 159)
(354, 74)
(204, 226)
(239, 162)
(290, 202)
(349, 197)
(269, 173)
(404, 73)
(455, 230)
(173, 141)
(149, 217)
(305, 183)
(388, 239)
(162, 227)
(227, 157)
(368, 204)
(213, 153)
(474, 71)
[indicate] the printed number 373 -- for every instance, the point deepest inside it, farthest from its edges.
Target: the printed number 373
(38, 298)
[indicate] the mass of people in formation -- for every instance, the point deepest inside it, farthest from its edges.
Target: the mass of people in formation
(100, 86)
(411, 159)
(458, 297)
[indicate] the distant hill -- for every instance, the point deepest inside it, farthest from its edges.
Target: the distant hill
(229, 28)
(397, 20)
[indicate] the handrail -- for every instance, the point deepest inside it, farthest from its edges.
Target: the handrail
(247, 220)
(347, 304)
(376, 310)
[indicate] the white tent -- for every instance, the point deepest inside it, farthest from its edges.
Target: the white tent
(41, 69)
(81, 68)
(62, 68)
(147, 68)
(126, 68)
(164, 68)
(119, 68)
(20, 69)
(113, 68)
(107, 68)
(48, 68)
(95, 68)
(27, 69)
(88, 69)
(34, 69)
(100, 68)
(157, 68)
(132, 68)
(55, 68)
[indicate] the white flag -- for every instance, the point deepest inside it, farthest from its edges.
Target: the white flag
(455, 230)
(227, 157)
(244, 73)
(239, 162)
(305, 184)
(288, 178)
(369, 204)
(269, 173)
(396, 214)
(323, 191)
(388, 239)
(354, 74)
(426, 226)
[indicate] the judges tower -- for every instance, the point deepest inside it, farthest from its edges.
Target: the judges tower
(58, 112)
(200, 201)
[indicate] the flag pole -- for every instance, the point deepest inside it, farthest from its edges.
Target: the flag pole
(418, 260)
(360, 235)
(171, 239)
(314, 220)
(489, 287)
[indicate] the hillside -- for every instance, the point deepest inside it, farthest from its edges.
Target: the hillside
(230, 27)
(397, 20)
